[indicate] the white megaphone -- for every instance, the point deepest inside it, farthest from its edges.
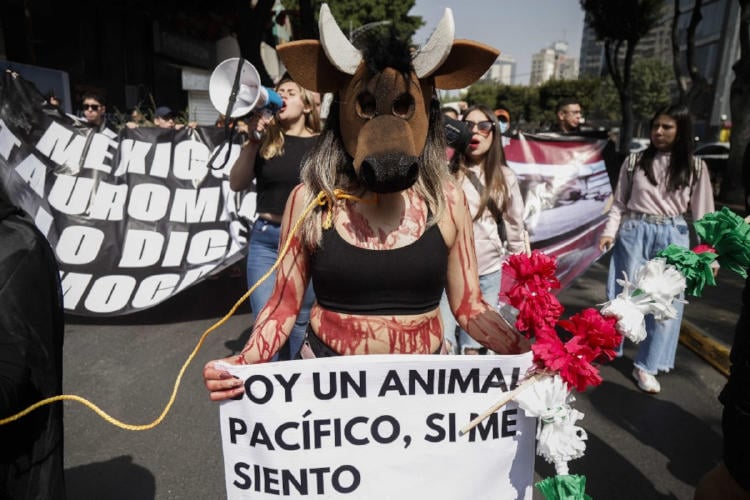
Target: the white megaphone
(250, 94)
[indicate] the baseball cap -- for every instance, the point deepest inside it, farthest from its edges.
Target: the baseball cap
(163, 112)
(502, 113)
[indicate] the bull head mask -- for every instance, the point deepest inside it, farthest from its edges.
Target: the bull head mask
(384, 113)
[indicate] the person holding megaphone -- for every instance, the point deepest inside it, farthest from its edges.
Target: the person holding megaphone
(272, 156)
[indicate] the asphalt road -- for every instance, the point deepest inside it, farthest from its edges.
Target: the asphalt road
(639, 446)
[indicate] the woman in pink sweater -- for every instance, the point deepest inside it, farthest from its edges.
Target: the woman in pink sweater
(653, 191)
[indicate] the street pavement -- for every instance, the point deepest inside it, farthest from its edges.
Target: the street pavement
(639, 446)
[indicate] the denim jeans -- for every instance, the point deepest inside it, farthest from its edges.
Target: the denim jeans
(262, 254)
(637, 242)
(489, 284)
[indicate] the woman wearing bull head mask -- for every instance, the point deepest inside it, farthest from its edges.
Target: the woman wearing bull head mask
(389, 229)
(273, 157)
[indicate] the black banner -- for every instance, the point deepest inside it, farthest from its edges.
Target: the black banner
(134, 217)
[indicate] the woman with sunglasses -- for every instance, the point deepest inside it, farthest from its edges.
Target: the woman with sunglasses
(273, 158)
(492, 193)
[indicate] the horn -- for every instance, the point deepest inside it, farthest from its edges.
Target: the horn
(337, 47)
(436, 50)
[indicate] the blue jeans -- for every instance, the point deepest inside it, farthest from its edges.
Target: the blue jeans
(263, 251)
(637, 242)
(458, 338)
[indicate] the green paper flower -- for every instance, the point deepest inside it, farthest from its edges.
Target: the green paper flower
(729, 234)
(566, 487)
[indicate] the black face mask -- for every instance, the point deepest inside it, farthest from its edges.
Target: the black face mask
(389, 173)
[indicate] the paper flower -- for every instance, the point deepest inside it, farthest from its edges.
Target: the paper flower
(533, 277)
(658, 285)
(729, 234)
(630, 320)
(695, 267)
(568, 487)
(598, 332)
(559, 440)
(571, 360)
(536, 310)
(533, 271)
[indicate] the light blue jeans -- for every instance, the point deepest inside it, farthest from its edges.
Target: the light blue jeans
(261, 256)
(637, 242)
(458, 338)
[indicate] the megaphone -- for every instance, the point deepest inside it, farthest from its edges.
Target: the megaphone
(237, 76)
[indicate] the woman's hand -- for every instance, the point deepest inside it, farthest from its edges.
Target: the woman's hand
(605, 243)
(220, 383)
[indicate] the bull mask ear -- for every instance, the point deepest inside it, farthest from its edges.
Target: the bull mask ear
(437, 48)
(337, 47)
(467, 62)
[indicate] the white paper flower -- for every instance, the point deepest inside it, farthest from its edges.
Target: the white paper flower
(630, 320)
(659, 284)
(558, 439)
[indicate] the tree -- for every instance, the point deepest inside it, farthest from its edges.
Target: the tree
(650, 89)
(738, 167)
(253, 26)
(353, 15)
(695, 85)
(621, 24)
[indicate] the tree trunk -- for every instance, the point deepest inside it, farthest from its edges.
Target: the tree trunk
(254, 22)
(733, 189)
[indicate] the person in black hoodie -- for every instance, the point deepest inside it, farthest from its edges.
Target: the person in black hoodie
(31, 346)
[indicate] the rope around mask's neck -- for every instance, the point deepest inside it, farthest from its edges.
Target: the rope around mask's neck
(323, 199)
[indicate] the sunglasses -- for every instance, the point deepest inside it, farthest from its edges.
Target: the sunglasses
(484, 127)
(93, 107)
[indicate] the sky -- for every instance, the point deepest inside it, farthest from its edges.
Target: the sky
(518, 28)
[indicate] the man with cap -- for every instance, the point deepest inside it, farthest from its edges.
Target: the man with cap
(164, 117)
(503, 121)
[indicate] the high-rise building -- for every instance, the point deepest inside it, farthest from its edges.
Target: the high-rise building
(716, 50)
(553, 63)
(503, 70)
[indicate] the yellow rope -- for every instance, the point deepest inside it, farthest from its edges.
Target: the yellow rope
(321, 200)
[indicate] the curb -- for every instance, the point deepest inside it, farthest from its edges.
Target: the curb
(711, 350)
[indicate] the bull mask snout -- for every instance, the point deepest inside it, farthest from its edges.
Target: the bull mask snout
(389, 173)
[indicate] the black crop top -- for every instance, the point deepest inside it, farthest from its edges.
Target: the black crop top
(354, 280)
(276, 177)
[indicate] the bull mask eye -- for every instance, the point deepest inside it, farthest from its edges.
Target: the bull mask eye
(403, 106)
(366, 105)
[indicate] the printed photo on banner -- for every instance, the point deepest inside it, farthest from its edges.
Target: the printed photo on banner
(567, 195)
(378, 426)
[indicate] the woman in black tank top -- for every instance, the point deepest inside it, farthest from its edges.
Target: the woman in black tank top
(379, 225)
(272, 157)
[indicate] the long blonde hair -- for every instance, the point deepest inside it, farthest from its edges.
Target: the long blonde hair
(328, 167)
(273, 140)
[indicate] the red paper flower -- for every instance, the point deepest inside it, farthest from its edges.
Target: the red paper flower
(536, 310)
(703, 248)
(533, 271)
(571, 360)
(589, 327)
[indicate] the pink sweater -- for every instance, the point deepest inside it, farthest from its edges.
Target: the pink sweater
(637, 194)
(489, 248)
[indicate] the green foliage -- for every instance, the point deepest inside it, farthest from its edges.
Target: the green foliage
(650, 87)
(352, 15)
(622, 20)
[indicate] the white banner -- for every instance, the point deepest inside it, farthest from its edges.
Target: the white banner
(378, 427)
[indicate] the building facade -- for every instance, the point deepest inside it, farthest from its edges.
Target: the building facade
(553, 63)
